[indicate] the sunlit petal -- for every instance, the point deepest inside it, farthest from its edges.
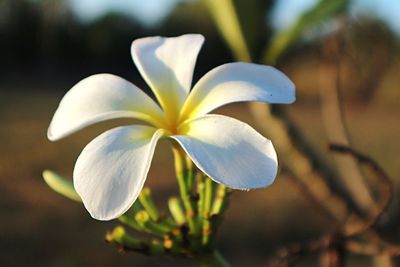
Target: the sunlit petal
(237, 82)
(167, 66)
(229, 151)
(111, 170)
(100, 97)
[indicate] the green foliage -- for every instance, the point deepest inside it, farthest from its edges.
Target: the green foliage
(61, 185)
(251, 15)
(186, 232)
(321, 12)
(225, 16)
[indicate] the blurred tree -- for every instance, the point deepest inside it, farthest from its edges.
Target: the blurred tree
(44, 40)
(320, 13)
(369, 49)
(20, 23)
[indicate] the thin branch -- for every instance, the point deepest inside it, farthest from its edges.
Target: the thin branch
(302, 161)
(319, 205)
(385, 188)
(363, 248)
(289, 254)
(373, 245)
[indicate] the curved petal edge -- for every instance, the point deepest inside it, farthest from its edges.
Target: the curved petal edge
(238, 82)
(111, 170)
(101, 97)
(167, 65)
(229, 151)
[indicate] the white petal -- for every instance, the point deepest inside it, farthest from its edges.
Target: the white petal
(229, 151)
(111, 170)
(237, 82)
(100, 97)
(167, 65)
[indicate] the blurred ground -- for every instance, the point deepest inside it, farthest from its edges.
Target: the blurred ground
(41, 228)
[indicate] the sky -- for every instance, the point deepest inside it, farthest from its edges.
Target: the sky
(150, 12)
(287, 11)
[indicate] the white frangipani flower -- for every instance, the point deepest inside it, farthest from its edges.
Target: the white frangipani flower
(111, 170)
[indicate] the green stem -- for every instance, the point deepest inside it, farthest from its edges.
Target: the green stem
(129, 220)
(176, 210)
(119, 237)
(201, 201)
(143, 219)
(208, 195)
(190, 172)
(221, 200)
(147, 202)
(212, 259)
(206, 216)
(180, 168)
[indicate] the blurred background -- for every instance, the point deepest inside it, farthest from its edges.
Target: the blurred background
(46, 46)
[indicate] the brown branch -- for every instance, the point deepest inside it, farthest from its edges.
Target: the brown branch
(372, 245)
(302, 161)
(330, 246)
(335, 126)
(385, 188)
(335, 245)
(305, 191)
(290, 253)
(361, 248)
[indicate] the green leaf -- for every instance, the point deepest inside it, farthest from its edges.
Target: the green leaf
(61, 185)
(322, 11)
(227, 20)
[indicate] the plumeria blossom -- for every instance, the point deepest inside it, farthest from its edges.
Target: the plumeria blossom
(111, 170)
